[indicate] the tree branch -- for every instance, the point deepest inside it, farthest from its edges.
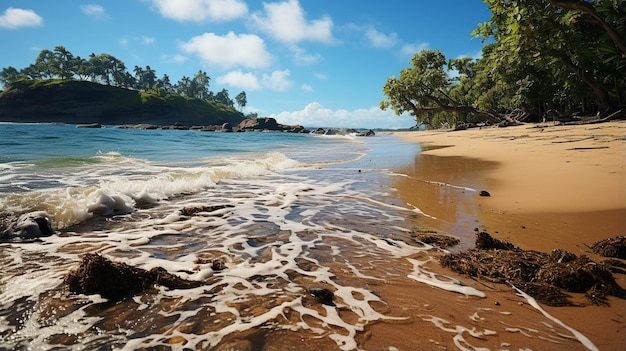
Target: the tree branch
(616, 37)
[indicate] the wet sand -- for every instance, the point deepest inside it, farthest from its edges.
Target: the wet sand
(551, 187)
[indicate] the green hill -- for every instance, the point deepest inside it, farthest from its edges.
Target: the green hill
(78, 102)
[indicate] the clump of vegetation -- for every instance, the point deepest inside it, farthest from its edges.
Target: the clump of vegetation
(115, 280)
(190, 211)
(541, 275)
(611, 247)
(431, 237)
(61, 64)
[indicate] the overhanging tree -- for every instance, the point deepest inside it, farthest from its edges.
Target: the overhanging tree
(542, 34)
(424, 89)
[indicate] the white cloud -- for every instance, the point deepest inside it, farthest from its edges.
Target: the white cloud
(246, 81)
(201, 10)
(306, 87)
(412, 49)
(302, 58)
(380, 40)
(321, 76)
(176, 58)
(286, 22)
(95, 11)
(247, 50)
(316, 115)
(148, 40)
(370, 36)
(143, 40)
(15, 18)
(277, 80)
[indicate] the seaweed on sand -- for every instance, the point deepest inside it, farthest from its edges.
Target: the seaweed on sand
(611, 247)
(431, 237)
(115, 280)
(541, 275)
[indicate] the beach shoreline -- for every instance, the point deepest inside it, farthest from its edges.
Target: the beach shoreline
(538, 173)
(551, 187)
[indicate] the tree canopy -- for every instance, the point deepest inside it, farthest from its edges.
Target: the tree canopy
(107, 69)
(542, 58)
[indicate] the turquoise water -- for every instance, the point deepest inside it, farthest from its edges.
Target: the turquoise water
(40, 142)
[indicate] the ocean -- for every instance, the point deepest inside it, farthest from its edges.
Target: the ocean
(286, 215)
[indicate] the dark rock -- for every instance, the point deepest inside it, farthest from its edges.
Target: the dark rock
(226, 127)
(138, 126)
(323, 295)
(294, 129)
(484, 193)
(175, 126)
(29, 226)
(318, 131)
(368, 132)
(340, 131)
(218, 265)
(261, 123)
(115, 280)
(90, 125)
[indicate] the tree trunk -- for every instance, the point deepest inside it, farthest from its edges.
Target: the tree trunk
(602, 96)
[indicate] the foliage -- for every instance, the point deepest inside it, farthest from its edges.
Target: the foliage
(542, 56)
(107, 69)
(73, 101)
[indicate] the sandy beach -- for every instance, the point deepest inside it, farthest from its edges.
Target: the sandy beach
(551, 186)
(568, 179)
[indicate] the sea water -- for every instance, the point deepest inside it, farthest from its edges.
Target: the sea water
(285, 213)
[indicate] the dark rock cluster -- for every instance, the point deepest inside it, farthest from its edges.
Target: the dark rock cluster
(261, 124)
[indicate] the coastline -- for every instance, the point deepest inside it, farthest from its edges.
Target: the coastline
(551, 187)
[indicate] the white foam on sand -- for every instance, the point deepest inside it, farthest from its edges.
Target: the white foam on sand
(278, 236)
(583, 339)
(118, 192)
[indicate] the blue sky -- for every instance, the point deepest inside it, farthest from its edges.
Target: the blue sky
(309, 62)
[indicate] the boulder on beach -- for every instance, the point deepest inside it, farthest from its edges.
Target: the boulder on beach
(29, 226)
(368, 132)
(340, 131)
(262, 123)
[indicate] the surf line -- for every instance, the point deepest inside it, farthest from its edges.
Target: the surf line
(531, 301)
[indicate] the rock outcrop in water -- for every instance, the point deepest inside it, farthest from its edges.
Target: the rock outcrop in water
(29, 226)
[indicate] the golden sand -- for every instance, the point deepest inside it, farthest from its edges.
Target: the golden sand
(551, 187)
